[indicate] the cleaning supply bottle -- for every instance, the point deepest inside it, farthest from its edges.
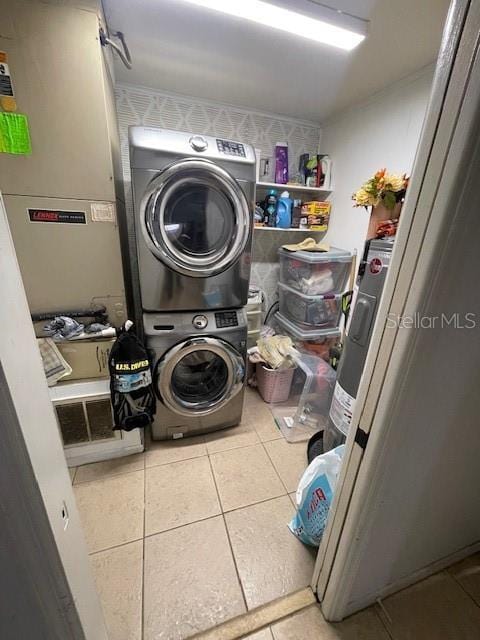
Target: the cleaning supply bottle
(270, 208)
(284, 211)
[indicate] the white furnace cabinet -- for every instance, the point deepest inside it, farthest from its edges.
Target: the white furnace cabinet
(63, 84)
(62, 200)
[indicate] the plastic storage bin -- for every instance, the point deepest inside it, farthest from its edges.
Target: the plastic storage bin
(306, 410)
(254, 320)
(252, 337)
(254, 311)
(322, 311)
(315, 273)
(315, 341)
(274, 384)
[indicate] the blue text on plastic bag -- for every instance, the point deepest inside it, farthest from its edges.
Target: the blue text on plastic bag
(314, 497)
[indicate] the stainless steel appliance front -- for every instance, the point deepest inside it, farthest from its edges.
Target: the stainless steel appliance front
(193, 199)
(199, 370)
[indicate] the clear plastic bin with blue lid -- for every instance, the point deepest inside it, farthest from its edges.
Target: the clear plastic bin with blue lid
(315, 273)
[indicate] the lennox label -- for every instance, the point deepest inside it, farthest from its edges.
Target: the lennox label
(57, 216)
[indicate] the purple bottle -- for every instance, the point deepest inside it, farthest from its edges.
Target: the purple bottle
(281, 163)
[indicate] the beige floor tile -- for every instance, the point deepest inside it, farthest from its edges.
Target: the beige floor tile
(310, 625)
(107, 468)
(435, 609)
(242, 435)
(293, 499)
(190, 581)
(252, 398)
(260, 417)
(289, 459)
(111, 510)
(179, 493)
(467, 574)
(118, 578)
(365, 625)
(72, 471)
(264, 634)
(270, 560)
(168, 451)
(245, 476)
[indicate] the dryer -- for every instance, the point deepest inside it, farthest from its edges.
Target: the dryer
(198, 370)
(194, 198)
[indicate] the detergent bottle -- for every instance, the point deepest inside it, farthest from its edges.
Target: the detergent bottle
(284, 211)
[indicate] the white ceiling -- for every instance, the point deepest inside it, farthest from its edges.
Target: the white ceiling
(182, 48)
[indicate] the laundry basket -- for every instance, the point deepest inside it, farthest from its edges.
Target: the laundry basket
(274, 384)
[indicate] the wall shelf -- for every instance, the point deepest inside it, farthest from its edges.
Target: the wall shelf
(294, 188)
(287, 230)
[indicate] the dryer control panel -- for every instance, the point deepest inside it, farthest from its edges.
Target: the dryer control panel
(231, 148)
(226, 319)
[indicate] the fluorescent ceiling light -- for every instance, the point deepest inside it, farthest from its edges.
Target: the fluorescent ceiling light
(300, 24)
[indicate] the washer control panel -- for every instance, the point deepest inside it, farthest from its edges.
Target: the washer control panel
(200, 321)
(226, 319)
(231, 148)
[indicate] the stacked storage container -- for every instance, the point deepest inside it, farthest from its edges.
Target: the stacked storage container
(310, 296)
(254, 316)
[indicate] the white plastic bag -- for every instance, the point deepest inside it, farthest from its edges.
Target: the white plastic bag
(314, 496)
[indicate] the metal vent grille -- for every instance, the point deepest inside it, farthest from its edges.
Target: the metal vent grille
(84, 422)
(73, 424)
(99, 413)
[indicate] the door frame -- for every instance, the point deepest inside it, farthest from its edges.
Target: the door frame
(52, 549)
(455, 89)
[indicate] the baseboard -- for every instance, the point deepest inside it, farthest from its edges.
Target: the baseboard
(407, 581)
(76, 458)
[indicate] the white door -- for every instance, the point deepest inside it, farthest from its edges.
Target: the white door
(50, 533)
(350, 574)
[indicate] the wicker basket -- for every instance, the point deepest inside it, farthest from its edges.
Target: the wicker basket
(274, 385)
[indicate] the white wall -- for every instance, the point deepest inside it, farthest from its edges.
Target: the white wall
(382, 132)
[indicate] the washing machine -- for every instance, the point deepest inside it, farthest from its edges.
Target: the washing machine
(198, 370)
(194, 198)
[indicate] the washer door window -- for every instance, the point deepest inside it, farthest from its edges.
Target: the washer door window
(199, 376)
(197, 219)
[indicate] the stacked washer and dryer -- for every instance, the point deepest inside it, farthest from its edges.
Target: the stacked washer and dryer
(193, 202)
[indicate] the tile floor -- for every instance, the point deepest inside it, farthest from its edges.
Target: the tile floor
(184, 537)
(445, 606)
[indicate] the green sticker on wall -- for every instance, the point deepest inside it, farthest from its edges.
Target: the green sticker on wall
(14, 134)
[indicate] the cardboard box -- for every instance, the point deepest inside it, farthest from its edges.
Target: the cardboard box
(88, 358)
(318, 215)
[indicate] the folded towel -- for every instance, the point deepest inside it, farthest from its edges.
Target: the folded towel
(309, 244)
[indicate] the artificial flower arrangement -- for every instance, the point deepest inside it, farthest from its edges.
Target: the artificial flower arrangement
(382, 188)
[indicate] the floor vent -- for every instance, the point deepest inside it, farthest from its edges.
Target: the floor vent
(85, 421)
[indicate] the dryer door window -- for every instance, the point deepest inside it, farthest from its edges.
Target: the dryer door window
(196, 218)
(199, 221)
(198, 376)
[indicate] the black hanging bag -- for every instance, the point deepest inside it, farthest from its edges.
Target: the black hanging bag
(131, 389)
